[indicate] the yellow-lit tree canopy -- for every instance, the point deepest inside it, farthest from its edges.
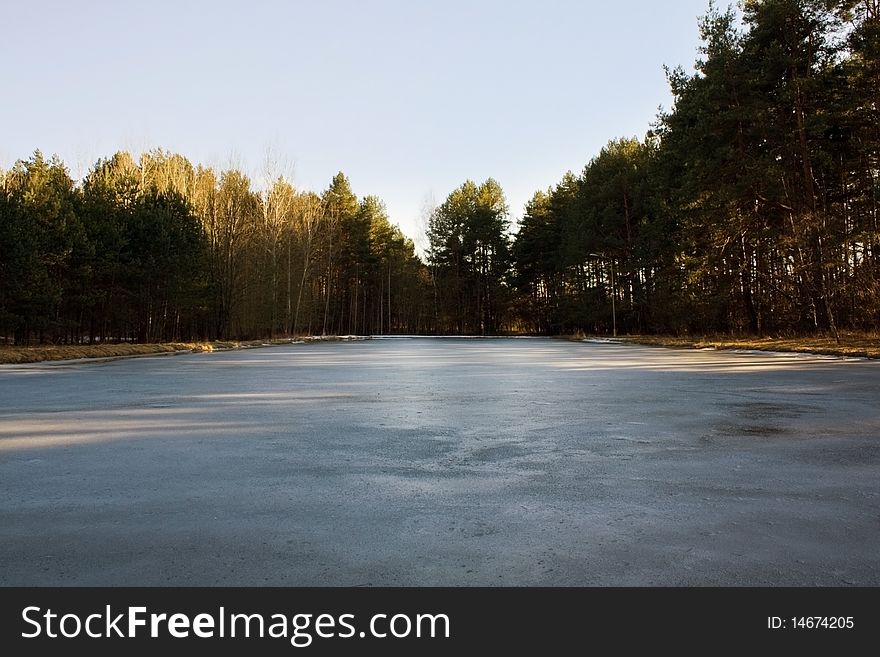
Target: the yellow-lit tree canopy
(158, 250)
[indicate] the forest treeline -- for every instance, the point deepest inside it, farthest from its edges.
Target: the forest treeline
(161, 250)
(750, 207)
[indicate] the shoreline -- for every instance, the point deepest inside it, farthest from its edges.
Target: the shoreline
(851, 346)
(12, 355)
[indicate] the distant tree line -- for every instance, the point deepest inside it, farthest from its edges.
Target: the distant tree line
(161, 250)
(753, 206)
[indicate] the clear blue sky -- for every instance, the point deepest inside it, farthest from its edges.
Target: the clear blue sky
(408, 98)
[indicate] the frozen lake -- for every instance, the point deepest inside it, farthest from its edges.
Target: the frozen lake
(442, 462)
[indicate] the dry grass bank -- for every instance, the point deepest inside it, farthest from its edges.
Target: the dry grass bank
(39, 353)
(851, 344)
(15, 355)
